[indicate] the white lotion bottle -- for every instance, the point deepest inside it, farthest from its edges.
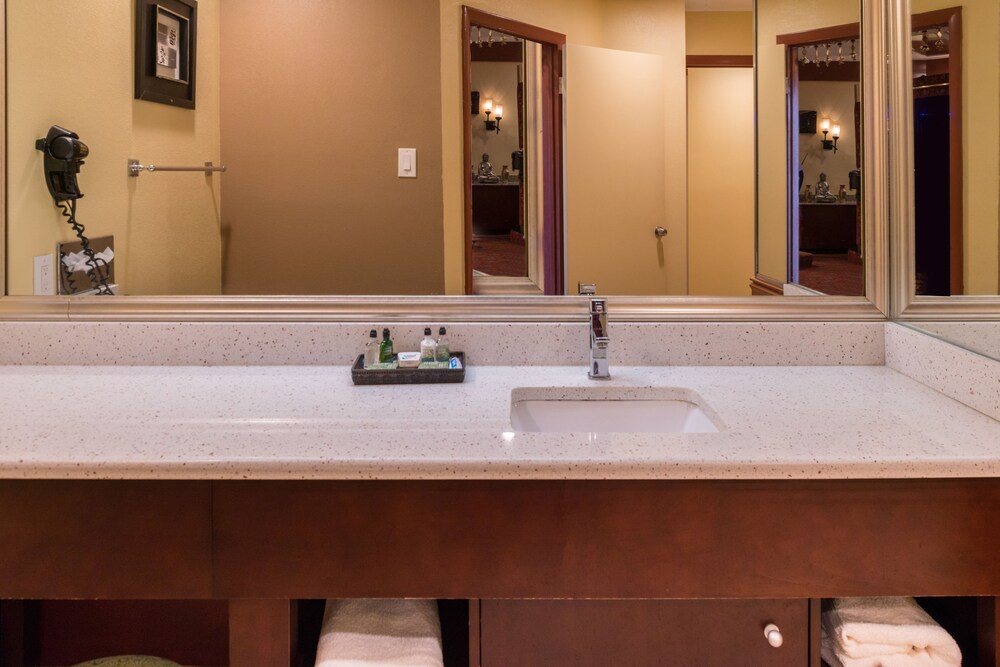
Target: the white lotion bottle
(372, 349)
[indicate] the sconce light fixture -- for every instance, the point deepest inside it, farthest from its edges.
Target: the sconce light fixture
(834, 131)
(497, 111)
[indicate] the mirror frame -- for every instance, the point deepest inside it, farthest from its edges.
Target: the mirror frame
(905, 305)
(874, 307)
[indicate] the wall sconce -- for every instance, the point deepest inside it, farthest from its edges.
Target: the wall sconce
(497, 111)
(825, 127)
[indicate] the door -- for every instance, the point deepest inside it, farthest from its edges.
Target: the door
(615, 171)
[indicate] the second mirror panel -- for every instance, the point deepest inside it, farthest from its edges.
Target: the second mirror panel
(955, 52)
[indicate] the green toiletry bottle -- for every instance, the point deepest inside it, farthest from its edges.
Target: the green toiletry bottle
(385, 351)
(443, 350)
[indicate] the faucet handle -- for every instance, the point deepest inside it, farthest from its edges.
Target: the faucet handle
(599, 319)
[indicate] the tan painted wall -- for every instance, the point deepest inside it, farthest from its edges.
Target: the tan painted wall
(981, 160)
(720, 202)
(777, 17)
(166, 226)
(719, 33)
(318, 97)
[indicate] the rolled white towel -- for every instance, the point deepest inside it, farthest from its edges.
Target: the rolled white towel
(382, 633)
(884, 632)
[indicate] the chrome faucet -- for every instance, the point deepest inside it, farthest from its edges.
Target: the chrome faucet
(599, 340)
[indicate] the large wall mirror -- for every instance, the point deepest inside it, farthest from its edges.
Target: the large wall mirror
(341, 127)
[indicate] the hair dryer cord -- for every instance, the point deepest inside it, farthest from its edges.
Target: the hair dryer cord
(97, 274)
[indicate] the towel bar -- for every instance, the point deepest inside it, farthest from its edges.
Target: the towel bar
(135, 168)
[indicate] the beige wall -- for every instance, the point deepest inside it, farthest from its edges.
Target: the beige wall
(719, 33)
(166, 226)
(981, 160)
(720, 192)
(778, 17)
(318, 97)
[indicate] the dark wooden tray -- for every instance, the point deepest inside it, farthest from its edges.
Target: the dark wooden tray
(361, 375)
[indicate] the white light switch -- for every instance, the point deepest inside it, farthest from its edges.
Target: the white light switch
(407, 162)
(45, 283)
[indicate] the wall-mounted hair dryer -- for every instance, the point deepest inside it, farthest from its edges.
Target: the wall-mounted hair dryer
(64, 153)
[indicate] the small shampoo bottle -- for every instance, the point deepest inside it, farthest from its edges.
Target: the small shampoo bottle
(372, 351)
(443, 352)
(427, 346)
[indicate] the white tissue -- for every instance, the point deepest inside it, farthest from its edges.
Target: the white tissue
(77, 261)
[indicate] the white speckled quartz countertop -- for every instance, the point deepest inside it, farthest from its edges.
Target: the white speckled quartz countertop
(287, 422)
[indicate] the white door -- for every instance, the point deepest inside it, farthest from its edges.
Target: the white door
(615, 172)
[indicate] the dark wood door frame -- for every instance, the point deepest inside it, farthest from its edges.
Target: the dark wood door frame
(553, 44)
(952, 17)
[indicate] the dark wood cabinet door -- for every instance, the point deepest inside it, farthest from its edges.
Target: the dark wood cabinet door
(642, 632)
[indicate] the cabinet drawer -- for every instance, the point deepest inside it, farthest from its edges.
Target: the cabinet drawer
(642, 632)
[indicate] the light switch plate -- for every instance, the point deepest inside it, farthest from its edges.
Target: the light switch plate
(407, 162)
(45, 280)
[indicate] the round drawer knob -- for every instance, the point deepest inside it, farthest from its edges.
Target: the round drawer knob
(773, 635)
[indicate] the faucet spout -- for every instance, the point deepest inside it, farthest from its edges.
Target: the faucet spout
(599, 340)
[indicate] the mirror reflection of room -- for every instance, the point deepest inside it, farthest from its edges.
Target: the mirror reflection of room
(956, 165)
(314, 204)
(827, 92)
(499, 102)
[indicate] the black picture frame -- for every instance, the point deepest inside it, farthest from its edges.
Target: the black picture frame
(166, 48)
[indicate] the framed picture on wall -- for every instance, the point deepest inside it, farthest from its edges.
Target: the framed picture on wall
(165, 51)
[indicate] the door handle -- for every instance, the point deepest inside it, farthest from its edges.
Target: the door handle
(660, 232)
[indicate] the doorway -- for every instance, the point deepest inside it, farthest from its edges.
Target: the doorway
(825, 200)
(513, 159)
(937, 168)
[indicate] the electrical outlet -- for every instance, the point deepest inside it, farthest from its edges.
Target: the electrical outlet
(45, 279)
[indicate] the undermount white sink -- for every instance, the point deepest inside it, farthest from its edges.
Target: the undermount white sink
(610, 410)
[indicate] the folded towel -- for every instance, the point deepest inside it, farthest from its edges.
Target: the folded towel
(884, 632)
(386, 633)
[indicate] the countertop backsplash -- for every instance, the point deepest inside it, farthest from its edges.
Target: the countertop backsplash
(516, 344)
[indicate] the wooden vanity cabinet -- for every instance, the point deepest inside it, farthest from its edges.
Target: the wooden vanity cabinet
(560, 567)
